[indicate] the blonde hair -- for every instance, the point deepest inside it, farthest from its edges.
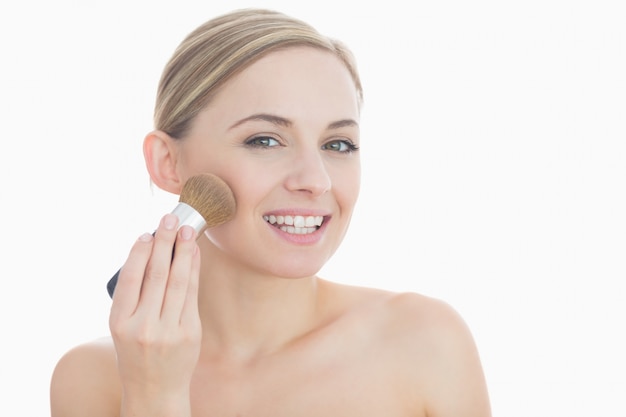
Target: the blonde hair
(220, 48)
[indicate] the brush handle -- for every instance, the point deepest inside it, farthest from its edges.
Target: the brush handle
(187, 216)
(112, 283)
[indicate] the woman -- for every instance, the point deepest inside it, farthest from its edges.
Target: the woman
(237, 322)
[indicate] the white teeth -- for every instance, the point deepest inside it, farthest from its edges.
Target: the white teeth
(295, 224)
(298, 230)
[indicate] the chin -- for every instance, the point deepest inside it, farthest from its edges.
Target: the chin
(296, 273)
(296, 270)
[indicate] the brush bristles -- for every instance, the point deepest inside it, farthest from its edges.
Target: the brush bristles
(210, 196)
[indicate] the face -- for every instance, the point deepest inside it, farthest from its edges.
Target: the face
(284, 135)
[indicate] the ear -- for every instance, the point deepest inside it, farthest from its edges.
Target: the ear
(160, 152)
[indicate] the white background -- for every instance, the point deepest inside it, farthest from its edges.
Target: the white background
(494, 157)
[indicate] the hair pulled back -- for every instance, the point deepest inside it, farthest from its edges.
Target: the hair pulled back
(220, 48)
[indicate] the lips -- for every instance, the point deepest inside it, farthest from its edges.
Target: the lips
(299, 225)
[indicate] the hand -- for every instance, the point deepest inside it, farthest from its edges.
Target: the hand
(154, 319)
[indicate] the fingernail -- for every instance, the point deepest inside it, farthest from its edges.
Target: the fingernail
(169, 221)
(146, 237)
(186, 232)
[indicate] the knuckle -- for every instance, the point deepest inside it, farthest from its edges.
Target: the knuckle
(155, 275)
(177, 283)
(147, 335)
(119, 331)
(146, 339)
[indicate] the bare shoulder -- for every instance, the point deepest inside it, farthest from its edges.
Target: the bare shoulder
(429, 347)
(424, 319)
(406, 314)
(438, 348)
(85, 381)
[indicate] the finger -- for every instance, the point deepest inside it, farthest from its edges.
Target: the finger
(158, 269)
(190, 308)
(130, 278)
(180, 271)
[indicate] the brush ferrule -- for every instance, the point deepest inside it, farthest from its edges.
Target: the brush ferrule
(188, 216)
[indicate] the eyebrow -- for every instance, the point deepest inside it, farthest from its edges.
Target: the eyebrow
(343, 123)
(281, 121)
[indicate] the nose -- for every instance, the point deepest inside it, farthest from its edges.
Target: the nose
(309, 174)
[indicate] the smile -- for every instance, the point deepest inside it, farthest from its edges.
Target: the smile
(299, 225)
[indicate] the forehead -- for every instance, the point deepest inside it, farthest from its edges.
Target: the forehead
(291, 82)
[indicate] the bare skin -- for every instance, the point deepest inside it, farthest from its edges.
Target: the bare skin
(238, 323)
(371, 354)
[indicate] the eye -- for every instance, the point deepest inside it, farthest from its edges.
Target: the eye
(341, 146)
(262, 142)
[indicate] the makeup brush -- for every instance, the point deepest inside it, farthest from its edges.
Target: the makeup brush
(205, 201)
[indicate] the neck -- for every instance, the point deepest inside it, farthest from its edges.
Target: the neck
(245, 315)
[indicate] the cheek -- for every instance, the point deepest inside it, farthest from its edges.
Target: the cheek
(197, 161)
(218, 163)
(247, 184)
(347, 185)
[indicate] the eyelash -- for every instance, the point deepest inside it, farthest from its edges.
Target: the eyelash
(255, 142)
(349, 144)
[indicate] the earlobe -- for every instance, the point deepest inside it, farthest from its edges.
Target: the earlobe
(160, 152)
